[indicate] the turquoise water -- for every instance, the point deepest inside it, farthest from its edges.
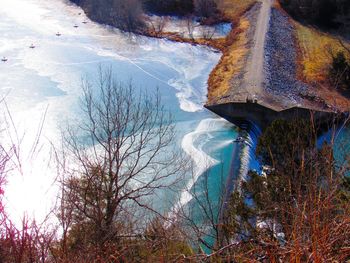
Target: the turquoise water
(43, 86)
(210, 190)
(341, 144)
(342, 148)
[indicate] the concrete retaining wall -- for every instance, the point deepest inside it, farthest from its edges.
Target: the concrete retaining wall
(239, 113)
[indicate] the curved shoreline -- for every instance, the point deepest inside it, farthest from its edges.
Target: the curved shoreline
(219, 44)
(240, 35)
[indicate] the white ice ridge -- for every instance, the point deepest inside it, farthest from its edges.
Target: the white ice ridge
(201, 160)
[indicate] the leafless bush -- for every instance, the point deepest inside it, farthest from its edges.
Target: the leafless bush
(29, 243)
(158, 24)
(207, 33)
(190, 26)
(128, 15)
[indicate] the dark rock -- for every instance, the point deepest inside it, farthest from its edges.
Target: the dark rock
(280, 59)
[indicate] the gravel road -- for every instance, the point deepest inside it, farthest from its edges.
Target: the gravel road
(254, 76)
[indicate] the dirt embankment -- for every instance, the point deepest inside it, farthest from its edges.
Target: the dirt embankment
(246, 57)
(229, 72)
(233, 46)
(265, 63)
(262, 57)
(265, 55)
(282, 64)
(315, 51)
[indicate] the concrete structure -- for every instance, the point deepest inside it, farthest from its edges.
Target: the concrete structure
(240, 113)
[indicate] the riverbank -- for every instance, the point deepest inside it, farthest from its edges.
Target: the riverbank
(57, 64)
(234, 93)
(282, 91)
(263, 94)
(234, 78)
(233, 47)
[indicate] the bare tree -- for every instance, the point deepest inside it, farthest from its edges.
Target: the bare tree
(190, 26)
(123, 151)
(128, 15)
(158, 24)
(31, 242)
(207, 33)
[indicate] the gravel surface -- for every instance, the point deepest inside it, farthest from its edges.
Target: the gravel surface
(280, 60)
(252, 16)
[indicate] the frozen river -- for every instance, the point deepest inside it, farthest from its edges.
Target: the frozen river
(41, 85)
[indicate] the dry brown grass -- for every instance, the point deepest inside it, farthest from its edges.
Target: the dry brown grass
(230, 64)
(217, 43)
(234, 46)
(314, 59)
(234, 9)
(316, 49)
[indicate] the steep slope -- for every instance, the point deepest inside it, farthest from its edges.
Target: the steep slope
(272, 69)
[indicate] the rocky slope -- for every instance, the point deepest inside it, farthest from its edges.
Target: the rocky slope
(280, 60)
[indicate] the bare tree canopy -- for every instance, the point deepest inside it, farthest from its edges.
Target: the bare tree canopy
(205, 8)
(123, 159)
(128, 15)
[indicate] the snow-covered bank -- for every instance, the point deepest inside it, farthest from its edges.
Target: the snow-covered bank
(189, 28)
